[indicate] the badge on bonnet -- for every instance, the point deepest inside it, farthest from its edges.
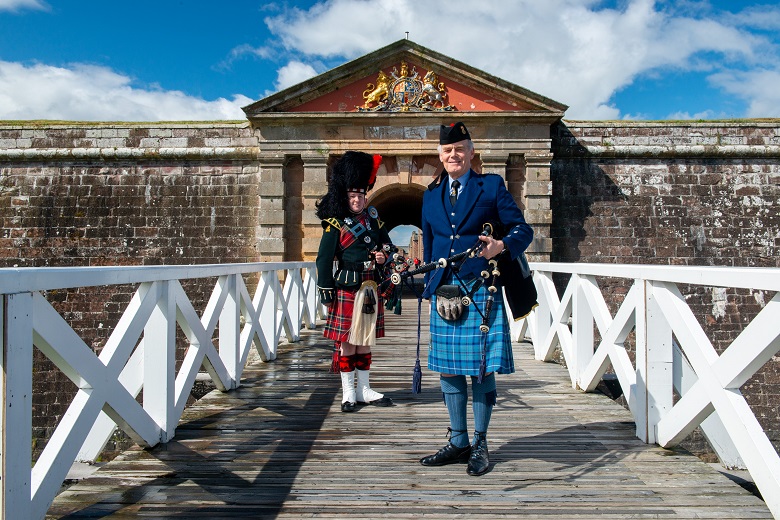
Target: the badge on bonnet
(454, 133)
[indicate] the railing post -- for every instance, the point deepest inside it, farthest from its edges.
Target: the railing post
(16, 376)
(310, 297)
(291, 298)
(582, 330)
(266, 303)
(230, 331)
(160, 363)
(543, 313)
(654, 365)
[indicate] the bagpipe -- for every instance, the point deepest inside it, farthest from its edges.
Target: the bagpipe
(390, 271)
(519, 289)
(455, 262)
(517, 281)
(516, 276)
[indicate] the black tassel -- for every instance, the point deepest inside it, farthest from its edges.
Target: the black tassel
(417, 378)
(417, 375)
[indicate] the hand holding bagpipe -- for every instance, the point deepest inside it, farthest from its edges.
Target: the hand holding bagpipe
(394, 263)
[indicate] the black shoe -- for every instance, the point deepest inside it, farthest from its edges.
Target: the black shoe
(384, 401)
(347, 406)
(450, 454)
(479, 461)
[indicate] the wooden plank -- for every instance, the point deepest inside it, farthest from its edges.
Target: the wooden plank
(279, 447)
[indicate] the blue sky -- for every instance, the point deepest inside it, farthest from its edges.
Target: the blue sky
(146, 60)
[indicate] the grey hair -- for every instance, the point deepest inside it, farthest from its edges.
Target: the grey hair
(470, 146)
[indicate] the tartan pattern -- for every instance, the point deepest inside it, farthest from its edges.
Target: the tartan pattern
(347, 238)
(340, 312)
(346, 363)
(363, 361)
(456, 347)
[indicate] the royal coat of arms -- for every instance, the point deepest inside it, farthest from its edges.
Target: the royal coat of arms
(404, 91)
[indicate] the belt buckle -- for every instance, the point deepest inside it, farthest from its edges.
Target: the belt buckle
(367, 265)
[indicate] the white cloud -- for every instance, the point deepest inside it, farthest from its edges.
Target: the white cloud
(574, 51)
(706, 114)
(761, 88)
(767, 17)
(91, 93)
(293, 73)
(18, 5)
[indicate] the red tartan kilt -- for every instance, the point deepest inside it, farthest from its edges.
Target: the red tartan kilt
(340, 316)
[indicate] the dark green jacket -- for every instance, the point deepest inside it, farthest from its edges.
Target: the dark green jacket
(351, 261)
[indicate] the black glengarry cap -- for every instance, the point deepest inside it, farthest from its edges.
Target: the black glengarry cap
(454, 133)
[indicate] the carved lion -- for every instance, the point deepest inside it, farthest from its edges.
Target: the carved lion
(376, 94)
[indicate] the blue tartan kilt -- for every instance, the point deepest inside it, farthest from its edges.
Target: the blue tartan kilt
(456, 346)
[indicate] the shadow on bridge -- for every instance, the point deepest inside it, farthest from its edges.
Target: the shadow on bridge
(279, 447)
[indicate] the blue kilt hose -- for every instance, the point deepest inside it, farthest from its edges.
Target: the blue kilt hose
(456, 346)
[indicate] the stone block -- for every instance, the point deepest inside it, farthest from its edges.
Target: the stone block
(271, 217)
(270, 189)
(311, 244)
(270, 174)
(313, 189)
(173, 142)
(534, 202)
(533, 216)
(309, 218)
(538, 188)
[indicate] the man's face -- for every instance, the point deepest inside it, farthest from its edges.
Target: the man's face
(456, 157)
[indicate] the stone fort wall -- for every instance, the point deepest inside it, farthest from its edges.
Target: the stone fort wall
(699, 194)
(140, 194)
(87, 195)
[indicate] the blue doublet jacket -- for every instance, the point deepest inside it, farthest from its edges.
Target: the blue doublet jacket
(449, 230)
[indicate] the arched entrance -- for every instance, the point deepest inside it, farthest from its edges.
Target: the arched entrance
(400, 207)
(399, 204)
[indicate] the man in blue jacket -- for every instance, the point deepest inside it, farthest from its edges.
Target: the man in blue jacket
(459, 209)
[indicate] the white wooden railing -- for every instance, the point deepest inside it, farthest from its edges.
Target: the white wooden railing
(672, 353)
(138, 356)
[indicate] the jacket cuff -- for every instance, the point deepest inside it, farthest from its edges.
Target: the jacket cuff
(327, 295)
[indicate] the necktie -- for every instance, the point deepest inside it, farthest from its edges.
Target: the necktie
(454, 192)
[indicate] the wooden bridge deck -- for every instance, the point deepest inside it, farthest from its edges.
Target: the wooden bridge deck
(279, 447)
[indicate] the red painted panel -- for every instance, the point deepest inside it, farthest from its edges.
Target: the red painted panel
(465, 99)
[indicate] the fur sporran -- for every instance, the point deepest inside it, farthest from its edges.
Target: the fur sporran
(448, 302)
(363, 329)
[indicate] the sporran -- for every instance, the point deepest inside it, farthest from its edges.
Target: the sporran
(448, 302)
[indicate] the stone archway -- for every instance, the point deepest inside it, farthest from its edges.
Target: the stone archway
(399, 204)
